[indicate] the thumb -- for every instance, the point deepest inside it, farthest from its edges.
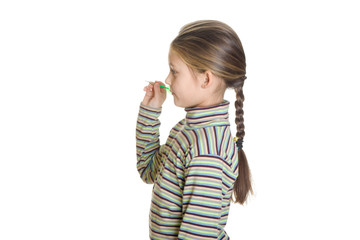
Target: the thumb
(157, 90)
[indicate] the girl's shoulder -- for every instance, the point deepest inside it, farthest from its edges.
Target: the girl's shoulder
(214, 140)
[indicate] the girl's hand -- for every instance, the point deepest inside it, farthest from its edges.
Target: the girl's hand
(154, 96)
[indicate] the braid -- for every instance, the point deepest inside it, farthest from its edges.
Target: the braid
(239, 116)
(242, 185)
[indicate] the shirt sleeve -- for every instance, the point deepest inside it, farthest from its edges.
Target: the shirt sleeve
(147, 143)
(202, 198)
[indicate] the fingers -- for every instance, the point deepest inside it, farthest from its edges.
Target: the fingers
(154, 96)
(148, 95)
(158, 89)
(148, 88)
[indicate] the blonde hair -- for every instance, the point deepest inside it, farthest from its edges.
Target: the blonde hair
(213, 45)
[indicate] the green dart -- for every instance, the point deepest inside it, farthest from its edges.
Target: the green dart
(167, 88)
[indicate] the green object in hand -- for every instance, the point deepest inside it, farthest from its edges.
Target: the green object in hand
(167, 88)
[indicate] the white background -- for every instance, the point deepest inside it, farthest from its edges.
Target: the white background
(71, 80)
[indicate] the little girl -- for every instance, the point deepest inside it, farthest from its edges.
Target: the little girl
(201, 165)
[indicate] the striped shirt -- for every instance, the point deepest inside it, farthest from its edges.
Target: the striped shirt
(193, 173)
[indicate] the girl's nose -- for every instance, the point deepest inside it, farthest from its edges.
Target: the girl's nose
(168, 80)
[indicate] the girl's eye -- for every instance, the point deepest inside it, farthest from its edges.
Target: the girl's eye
(172, 71)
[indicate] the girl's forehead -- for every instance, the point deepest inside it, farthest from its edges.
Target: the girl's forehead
(172, 55)
(174, 58)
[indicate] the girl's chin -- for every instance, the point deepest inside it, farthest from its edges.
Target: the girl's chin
(177, 102)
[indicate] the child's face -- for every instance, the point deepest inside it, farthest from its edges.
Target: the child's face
(185, 84)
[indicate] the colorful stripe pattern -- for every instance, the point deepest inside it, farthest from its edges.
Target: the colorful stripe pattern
(193, 173)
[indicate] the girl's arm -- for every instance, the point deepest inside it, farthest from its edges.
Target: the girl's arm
(202, 198)
(147, 132)
(147, 143)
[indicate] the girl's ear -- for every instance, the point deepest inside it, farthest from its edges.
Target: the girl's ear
(207, 79)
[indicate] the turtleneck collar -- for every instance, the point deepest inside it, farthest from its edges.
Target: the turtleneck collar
(204, 116)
